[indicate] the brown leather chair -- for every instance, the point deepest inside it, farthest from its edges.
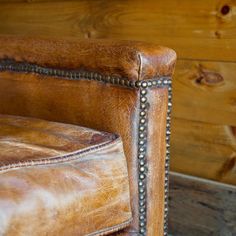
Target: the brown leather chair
(59, 178)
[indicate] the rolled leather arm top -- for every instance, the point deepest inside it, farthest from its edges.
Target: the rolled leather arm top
(131, 60)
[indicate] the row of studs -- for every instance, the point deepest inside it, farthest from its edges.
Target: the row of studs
(167, 164)
(143, 85)
(12, 65)
(142, 161)
(66, 74)
(142, 146)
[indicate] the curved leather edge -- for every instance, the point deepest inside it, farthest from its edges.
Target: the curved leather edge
(61, 158)
(128, 59)
(112, 229)
(114, 163)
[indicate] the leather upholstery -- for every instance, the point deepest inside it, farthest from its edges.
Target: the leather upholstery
(103, 106)
(26, 138)
(127, 59)
(59, 179)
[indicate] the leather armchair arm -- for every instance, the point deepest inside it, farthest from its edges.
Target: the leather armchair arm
(123, 59)
(115, 86)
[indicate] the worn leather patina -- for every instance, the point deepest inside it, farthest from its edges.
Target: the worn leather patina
(109, 104)
(59, 179)
(124, 59)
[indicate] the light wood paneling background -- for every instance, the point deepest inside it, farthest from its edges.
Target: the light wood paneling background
(204, 35)
(196, 30)
(202, 32)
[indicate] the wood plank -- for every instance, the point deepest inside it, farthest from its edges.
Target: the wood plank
(201, 207)
(203, 129)
(205, 91)
(203, 149)
(196, 30)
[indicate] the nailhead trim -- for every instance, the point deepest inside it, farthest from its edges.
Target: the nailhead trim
(142, 149)
(12, 65)
(142, 146)
(143, 87)
(167, 165)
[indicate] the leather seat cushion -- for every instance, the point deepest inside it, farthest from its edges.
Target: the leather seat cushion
(61, 179)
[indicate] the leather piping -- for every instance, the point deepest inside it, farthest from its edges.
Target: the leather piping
(111, 229)
(60, 159)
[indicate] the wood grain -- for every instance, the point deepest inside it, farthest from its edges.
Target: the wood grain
(201, 207)
(203, 129)
(205, 91)
(195, 31)
(203, 149)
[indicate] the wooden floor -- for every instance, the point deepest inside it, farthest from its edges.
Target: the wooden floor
(200, 207)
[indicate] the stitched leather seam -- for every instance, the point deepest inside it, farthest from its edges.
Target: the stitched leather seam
(111, 229)
(62, 158)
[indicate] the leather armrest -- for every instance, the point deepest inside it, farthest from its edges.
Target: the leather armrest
(124, 59)
(115, 86)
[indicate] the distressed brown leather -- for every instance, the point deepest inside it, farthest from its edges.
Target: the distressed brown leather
(94, 104)
(59, 179)
(132, 60)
